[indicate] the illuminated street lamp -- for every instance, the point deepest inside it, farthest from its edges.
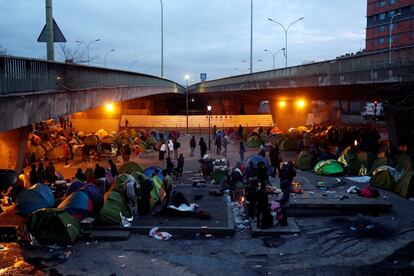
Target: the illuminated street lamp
(109, 107)
(390, 39)
(274, 55)
(186, 77)
(286, 35)
(110, 51)
(259, 60)
(300, 104)
(162, 39)
(88, 45)
(209, 117)
(282, 104)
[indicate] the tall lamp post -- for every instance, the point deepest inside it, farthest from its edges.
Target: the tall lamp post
(110, 51)
(162, 39)
(390, 39)
(257, 61)
(186, 77)
(274, 55)
(251, 36)
(286, 35)
(209, 117)
(88, 45)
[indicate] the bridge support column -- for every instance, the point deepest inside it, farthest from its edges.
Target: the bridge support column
(13, 148)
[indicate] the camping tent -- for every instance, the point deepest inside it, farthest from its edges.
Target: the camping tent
(403, 162)
(78, 204)
(154, 169)
(380, 161)
(52, 226)
(405, 186)
(383, 178)
(288, 144)
(130, 168)
(114, 205)
(101, 134)
(155, 193)
(328, 167)
(304, 161)
(274, 138)
(37, 197)
(7, 178)
(351, 163)
(255, 159)
(254, 141)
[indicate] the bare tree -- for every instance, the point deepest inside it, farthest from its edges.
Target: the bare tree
(73, 54)
(3, 51)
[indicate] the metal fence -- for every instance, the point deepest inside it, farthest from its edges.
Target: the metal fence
(351, 64)
(23, 75)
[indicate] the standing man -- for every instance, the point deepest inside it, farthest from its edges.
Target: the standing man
(203, 147)
(192, 145)
(218, 144)
(242, 150)
(177, 145)
(225, 143)
(163, 149)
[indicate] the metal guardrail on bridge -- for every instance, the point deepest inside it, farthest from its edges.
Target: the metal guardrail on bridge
(25, 75)
(351, 64)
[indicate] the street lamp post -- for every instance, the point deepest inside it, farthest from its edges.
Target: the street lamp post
(274, 55)
(88, 45)
(390, 38)
(162, 39)
(286, 35)
(250, 68)
(110, 51)
(186, 77)
(209, 117)
(251, 36)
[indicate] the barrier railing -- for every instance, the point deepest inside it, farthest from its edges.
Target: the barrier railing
(23, 75)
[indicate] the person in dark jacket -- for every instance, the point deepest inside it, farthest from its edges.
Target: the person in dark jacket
(50, 172)
(114, 169)
(170, 165)
(274, 160)
(203, 147)
(99, 172)
(251, 191)
(144, 206)
(218, 144)
(263, 214)
(41, 175)
(33, 175)
(180, 164)
(80, 175)
(193, 145)
(262, 173)
(285, 186)
(287, 172)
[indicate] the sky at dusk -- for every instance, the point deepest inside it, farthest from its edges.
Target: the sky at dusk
(210, 37)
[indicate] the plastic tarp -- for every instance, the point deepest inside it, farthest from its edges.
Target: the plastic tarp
(384, 177)
(304, 161)
(276, 130)
(37, 197)
(52, 226)
(328, 167)
(155, 193)
(154, 169)
(288, 144)
(114, 205)
(74, 186)
(78, 204)
(255, 159)
(381, 161)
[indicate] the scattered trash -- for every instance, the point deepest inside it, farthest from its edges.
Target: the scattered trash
(67, 253)
(353, 228)
(258, 266)
(241, 221)
(353, 190)
(371, 226)
(272, 242)
(331, 192)
(153, 260)
(208, 235)
(155, 233)
(386, 198)
(395, 262)
(342, 197)
(124, 221)
(124, 265)
(312, 193)
(122, 256)
(281, 254)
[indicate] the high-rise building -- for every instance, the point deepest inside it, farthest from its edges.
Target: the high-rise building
(386, 15)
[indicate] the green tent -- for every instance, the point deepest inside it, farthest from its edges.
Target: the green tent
(114, 204)
(382, 178)
(130, 168)
(119, 183)
(304, 161)
(254, 141)
(328, 167)
(155, 193)
(50, 225)
(380, 161)
(405, 186)
(403, 162)
(351, 163)
(275, 138)
(288, 144)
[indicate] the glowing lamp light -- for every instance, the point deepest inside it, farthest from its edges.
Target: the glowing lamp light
(109, 107)
(301, 103)
(282, 104)
(355, 143)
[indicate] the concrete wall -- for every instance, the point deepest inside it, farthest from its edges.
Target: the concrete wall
(13, 148)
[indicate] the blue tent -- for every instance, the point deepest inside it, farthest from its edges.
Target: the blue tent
(95, 195)
(78, 204)
(255, 159)
(74, 187)
(37, 197)
(154, 169)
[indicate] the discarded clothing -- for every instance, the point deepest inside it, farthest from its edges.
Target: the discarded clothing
(163, 236)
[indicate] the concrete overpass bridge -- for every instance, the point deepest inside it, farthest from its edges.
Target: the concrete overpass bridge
(35, 90)
(362, 76)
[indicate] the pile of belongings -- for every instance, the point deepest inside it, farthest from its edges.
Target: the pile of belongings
(220, 170)
(206, 164)
(388, 178)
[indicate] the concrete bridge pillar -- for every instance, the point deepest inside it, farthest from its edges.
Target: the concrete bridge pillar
(13, 146)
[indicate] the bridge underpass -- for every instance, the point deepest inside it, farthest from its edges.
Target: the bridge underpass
(35, 90)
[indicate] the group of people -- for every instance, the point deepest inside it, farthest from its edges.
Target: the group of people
(41, 174)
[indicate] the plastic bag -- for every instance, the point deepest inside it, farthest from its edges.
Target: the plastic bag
(163, 236)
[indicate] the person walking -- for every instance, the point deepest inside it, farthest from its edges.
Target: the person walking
(114, 169)
(262, 200)
(170, 148)
(33, 175)
(170, 165)
(192, 145)
(177, 145)
(218, 144)
(41, 176)
(225, 142)
(80, 175)
(163, 149)
(203, 147)
(274, 155)
(180, 164)
(50, 173)
(126, 152)
(242, 150)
